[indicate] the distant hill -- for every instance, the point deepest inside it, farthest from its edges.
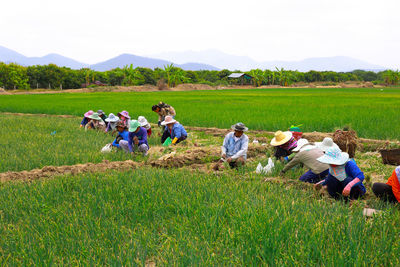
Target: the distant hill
(232, 62)
(10, 56)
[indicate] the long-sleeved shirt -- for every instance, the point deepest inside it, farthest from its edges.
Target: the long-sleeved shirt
(235, 147)
(394, 182)
(141, 136)
(84, 121)
(111, 126)
(309, 159)
(177, 131)
(124, 135)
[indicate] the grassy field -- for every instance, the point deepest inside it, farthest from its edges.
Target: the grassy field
(185, 218)
(29, 143)
(371, 112)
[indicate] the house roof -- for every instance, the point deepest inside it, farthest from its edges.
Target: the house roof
(236, 75)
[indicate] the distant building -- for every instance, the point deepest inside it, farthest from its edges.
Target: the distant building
(240, 78)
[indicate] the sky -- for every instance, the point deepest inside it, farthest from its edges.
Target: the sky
(93, 31)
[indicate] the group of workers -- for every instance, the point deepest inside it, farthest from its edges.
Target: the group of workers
(328, 166)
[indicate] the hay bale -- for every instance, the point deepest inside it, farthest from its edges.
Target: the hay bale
(347, 141)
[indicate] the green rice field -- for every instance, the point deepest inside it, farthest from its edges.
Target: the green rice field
(371, 112)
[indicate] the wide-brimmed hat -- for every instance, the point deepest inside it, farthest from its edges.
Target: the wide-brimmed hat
(100, 112)
(334, 156)
(124, 113)
(121, 124)
(168, 120)
(112, 118)
(300, 143)
(239, 127)
(133, 125)
(326, 144)
(142, 120)
(281, 138)
(87, 114)
(95, 116)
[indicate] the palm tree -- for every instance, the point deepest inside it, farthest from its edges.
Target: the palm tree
(258, 77)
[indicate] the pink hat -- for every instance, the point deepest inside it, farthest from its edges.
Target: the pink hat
(124, 113)
(168, 120)
(87, 114)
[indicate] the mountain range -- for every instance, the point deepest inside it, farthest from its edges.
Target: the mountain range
(191, 60)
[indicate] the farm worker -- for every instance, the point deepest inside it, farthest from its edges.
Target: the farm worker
(234, 147)
(102, 115)
(85, 119)
(344, 178)
(326, 144)
(307, 155)
(111, 122)
(121, 141)
(284, 143)
(296, 132)
(163, 110)
(174, 130)
(124, 117)
(391, 190)
(95, 122)
(144, 123)
(137, 138)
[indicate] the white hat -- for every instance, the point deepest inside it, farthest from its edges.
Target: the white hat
(143, 122)
(112, 118)
(300, 143)
(168, 120)
(334, 156)
(326, 143)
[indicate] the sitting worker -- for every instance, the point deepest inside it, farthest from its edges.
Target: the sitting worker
(391, 190)
(95, 123)
(121, 141)
(344, 178)
(124, 117)
(163, 110)
(102, 115)
(144, 123)
(174, 130)
(307, 154)
(85, 119)
(284, 143)
(234, 148)
(137, 138)
(112, 123)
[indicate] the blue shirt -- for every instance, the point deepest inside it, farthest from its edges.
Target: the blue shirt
(352, 172)
(124, 135)
(84, 121)
(141, 135)
(177, 131)
(235, 148)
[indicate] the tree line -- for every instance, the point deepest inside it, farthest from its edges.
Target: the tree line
(14, 76)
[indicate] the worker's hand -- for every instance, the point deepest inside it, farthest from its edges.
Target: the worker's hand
(174, 141)
(81, 126)
(228, 160)
(346, 190)
(223, 156)
(136, 141)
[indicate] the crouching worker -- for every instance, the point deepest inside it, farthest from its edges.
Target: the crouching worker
(284, 143)
(234, 148)
(121, 141)
(307, 155)
(174, 130)
(137, 138)
(95, 122)
(391, 190)
(85, 119)
(344, 178)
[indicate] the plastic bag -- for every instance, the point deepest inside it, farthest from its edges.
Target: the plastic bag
(268, 168)
(259, 168)
(167, 142)
(107, 148)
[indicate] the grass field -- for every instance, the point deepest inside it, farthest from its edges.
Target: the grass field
(28, 143)
(371, 112)
(185, 218)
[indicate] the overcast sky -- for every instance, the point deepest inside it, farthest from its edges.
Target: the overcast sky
(93, 31)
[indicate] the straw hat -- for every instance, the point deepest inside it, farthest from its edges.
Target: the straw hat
(281, 138)
(239, 127)
(334, 156)
(168, 120)
(87, 114)
(300, 143)
(112, 118)
(95, 116)
(124, 113)
(326, 144)
(133, 125)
